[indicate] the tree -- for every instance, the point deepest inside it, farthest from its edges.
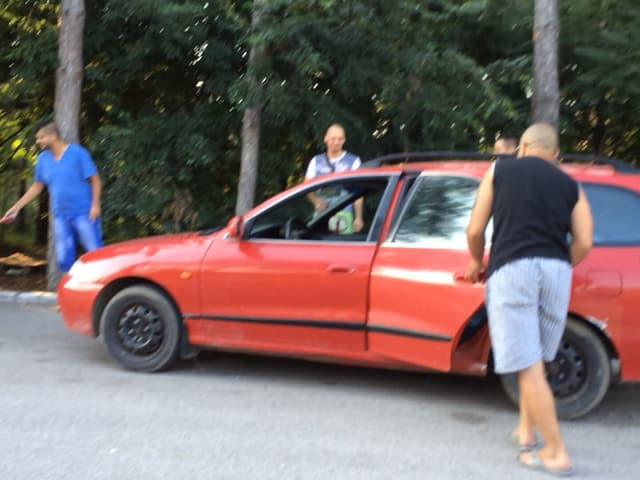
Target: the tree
(546, 89)
(167, 85)
(600, 88)
(160, 114)
(252, 118)
(68, 95)
(27, 75)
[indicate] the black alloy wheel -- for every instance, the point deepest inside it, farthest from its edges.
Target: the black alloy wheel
(579, 376)
(568, 372)
(141, 329)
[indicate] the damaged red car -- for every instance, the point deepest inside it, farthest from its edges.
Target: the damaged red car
(286, 279)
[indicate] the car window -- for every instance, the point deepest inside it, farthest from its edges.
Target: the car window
(295, 218)
(616, 214)
(437, 212)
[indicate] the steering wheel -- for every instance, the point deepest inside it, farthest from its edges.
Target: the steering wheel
(293, 228)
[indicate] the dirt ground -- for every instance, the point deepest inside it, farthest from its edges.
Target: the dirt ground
(21, 270)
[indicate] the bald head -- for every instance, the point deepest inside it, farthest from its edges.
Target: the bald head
(539, 140)
(334, 140)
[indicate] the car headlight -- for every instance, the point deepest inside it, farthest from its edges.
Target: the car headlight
(84, 272)
(77, 268)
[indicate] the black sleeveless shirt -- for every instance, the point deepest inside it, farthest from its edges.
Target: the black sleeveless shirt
(532, 204)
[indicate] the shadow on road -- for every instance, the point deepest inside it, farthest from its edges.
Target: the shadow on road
(618, 407)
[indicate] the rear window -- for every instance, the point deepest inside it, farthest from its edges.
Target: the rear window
(616, 214)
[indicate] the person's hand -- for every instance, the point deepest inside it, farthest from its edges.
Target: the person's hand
(475, 271)
(10, 215)
(358, 224)
(320, 204)
(94, 212)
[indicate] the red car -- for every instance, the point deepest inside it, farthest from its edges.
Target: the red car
(282, 279)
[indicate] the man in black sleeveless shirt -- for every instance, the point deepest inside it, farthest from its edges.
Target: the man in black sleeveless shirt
(535, 206)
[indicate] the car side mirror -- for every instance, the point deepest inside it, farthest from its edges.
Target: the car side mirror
(235, 227)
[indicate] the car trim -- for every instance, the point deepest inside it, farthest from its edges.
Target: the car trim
(322, 324)
(383, 209)
(312, 185)
(279, 321)
(408, 333)
(423, 245)
(361, 243)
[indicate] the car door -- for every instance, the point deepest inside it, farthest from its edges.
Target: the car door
(293, 279)
(606, 284)
(419, 300)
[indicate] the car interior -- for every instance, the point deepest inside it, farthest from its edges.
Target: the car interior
(296, 218)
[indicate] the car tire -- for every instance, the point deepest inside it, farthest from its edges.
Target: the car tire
(579, 376)
(141, 329)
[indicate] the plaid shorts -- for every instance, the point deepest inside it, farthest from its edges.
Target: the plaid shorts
(527, 302)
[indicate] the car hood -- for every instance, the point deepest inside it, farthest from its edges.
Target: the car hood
(151, 246)
(143, 256)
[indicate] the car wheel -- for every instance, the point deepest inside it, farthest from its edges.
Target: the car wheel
(141, 329)
(579, 376)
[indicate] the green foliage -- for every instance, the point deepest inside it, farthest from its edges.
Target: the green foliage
(160, 174)
(162, 125)
(27, 67)
(165, 87)
(601, 59)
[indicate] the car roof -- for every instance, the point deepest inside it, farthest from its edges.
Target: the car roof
(454, 167)
(583, 168)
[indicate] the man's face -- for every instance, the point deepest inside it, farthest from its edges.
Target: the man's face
(334, 140)
(44, 138)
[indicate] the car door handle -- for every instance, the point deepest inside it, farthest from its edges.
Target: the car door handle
(338, 268)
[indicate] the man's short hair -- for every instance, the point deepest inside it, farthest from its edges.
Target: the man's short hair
(509, 143)
(48, 126)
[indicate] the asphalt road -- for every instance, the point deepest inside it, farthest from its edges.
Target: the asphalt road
(68, 412)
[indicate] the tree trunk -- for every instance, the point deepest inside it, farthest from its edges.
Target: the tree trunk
(21, 222)
(252, 118)
(546, 94)
(70, 69)
(251, 124)
(68, 95)
(42, 220)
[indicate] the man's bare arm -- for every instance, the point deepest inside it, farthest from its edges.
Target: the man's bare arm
(32, 192)
(318, 202)
(96, 191)
(358, 222)
(480, 216)
(581, 229)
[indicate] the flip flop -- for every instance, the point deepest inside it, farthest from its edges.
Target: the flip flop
(536, 464)
(529, 447)
(526, 447)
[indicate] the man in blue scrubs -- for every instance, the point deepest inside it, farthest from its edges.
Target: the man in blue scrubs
(74, 187)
